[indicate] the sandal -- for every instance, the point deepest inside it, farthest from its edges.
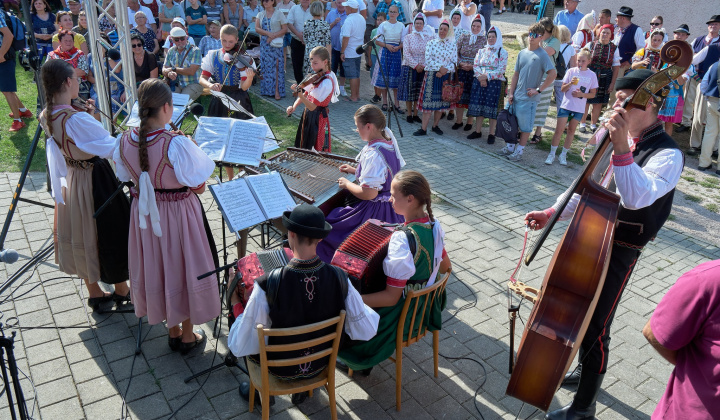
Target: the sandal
(186, 347)
(95, 302)
(120, 299)
(535, 139)
(174, 342)
(384, 107)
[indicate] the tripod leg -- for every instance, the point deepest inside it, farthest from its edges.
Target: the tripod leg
(3, 372)
(138, 348)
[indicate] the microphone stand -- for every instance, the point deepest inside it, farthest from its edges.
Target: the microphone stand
(392, 109)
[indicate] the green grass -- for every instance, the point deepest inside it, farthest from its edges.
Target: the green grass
(513, 50)
(693, 198)
(671, 217)
(688, 178)
(713, 207)
(14, 147)
(575, 149)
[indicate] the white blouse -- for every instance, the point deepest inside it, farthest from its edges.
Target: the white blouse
(400, 263)
(441, 53)
(375, 169)
(392, 32)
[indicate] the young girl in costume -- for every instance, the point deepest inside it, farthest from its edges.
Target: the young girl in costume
(169, 170)
(390, 45)
(314, 128)
(410, 197)
(378, 162)
(82, 180)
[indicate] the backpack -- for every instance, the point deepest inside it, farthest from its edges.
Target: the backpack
(17, 27)
(507, 125)
(560, 65)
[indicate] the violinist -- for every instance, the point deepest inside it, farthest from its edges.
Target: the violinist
(315, 92)
(215, 67)
(644, 170)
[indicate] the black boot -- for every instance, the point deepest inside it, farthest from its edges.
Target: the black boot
(583, 406)
(245, 394)
(573, 377)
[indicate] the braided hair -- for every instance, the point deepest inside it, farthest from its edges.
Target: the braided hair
(414, 183)
(371, 114)
(54, 74)
(153, 94)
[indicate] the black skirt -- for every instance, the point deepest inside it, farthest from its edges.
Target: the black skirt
(218, 109)
(307, 132)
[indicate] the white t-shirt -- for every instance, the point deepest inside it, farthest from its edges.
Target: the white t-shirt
(392, 32)
(432, 5)
(354, 29)
(297, 17)
(587, 81)
(568, 53)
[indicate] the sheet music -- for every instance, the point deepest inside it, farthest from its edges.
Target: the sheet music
(180, 99)
(271, 193)
(212, 135)
(246, 143)
(261, 119)
(237, 203)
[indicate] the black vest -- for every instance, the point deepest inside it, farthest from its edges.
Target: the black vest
(637, 227)
(713, 56)
(627, 45)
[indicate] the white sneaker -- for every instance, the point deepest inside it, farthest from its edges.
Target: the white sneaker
(583, 128)
(515, 157)
(562, 159)
(343, 93)
(550, 159)
(593, 127)
(505, 151)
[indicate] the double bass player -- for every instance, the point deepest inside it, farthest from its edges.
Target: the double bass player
(644, 170)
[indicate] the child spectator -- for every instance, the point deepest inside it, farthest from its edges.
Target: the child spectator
(196, 18)
(373, 56)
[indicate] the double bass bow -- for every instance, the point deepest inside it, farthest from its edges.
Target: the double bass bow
(566, 301)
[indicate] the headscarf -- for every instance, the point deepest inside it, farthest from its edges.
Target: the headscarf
(336, 87)
(451, 32)
(648, 41)
(473, 37)
(395, 146)
(423, 33)
(588, 22)
(611, 28)
(498, 44)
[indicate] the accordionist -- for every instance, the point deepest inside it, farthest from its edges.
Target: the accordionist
(303, 292)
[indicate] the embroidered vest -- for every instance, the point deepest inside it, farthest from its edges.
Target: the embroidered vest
(63, 140)
(424, 252)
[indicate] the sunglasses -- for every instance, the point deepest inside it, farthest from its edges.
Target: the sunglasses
(655, 24)
(137, 45)
(534, 35)
(183, 38)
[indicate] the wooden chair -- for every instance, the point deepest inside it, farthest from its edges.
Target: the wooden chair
(268, 385)
(413, 299)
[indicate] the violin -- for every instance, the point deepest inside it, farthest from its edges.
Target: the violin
(82, 105)
(309, 80)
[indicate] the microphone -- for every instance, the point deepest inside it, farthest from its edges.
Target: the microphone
(361, 49)
(8, 256)
(113, 54)
(191, 108)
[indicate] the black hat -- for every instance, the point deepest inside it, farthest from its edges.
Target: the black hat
(625, 11)
(714, 18)
(633, 80)
(308, 221)
(683, 28)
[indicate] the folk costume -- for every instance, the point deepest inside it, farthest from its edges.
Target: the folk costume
(82, 180)
(215, 67)
(378, 162)
(414, 44)
(439, 53)
(648, 52)
(389, 61)
(672, 108)
(645, 178)
(407, 271)
(603, 58)
(168, 257)
(585, 32)
(314, 128)
(491, 61)
(301, 293)
(468, 46)
(78, 60)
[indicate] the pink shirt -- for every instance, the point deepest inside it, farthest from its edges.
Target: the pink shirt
(588, 80)
(687, 319)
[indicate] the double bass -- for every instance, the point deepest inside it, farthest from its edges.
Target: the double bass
(573, 281)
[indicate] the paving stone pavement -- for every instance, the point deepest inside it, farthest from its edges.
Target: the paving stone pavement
(86, 367)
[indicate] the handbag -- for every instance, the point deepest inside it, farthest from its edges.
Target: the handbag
(507, 125)
(452, 89)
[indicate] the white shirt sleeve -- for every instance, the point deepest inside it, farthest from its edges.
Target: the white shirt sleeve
(700, 56)
(321, 91)
(90, 136)
(374, 169)
(639, 38)
(640, 187)
(192, 166)
(361, 321)
(399, 262)
(243, 338)
(207, 63)
(616, 58)
(122, 173)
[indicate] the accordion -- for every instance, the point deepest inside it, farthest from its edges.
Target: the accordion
(362, 255)
(256, 264)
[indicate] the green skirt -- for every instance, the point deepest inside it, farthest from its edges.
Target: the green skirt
(366, 354)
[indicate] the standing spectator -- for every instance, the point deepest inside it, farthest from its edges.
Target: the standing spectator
(551, 45)
(468, 46)
(566, 59)
(150, 42)
(168, 11)
(485, 9)
(467, 10)
(316, 33)
(271, 26)
(43, 25)
(298, 15)
(489, 71)
(501, 7)
(82, 27)
(182, 65)
(412, 71)
(250, 13)
(336, 18)
(698, 44)
(671, 111)
(284, 6)
(628, 37)
(373, 54)
(370, 23)
(570, 16)
(68, 52)
(8, 83)
(532, 66)
(456, 20)
(440, 56)
(211, 41)
(605, 18)
(214, 11)
(154, 6)
(134, 7)
(605, 62)
(74, 6)
(233, 14)
(683, 330)
(708, 53)
(384, 7)
(64, 22)
(655, 24)
(648, 57)
(387, 74)
(585, 33)
(433, 10)
(196, 18)
(352, 33)
(146, 65)
(710, 89)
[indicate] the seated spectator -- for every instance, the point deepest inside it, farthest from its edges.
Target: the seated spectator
(212, 40)
(74, 8)
(133, 6)
(146, 66)
(82, 27)
(150, 42)
(104, 23)
(67, 51)
(176, 23)
(43, 25)
(196, 18)
(117, 89)
(64, 22)
(182, 65)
